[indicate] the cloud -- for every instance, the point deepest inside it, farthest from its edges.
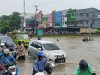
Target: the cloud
(9, 6)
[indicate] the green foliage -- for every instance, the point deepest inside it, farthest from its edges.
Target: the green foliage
(10, 23)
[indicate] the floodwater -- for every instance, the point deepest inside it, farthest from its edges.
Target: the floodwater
(75, 49)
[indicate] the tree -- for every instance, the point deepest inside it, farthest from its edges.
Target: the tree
(15, 21)
(4, 24)
(10, 23)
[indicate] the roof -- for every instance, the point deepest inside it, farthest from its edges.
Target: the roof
(42, 41)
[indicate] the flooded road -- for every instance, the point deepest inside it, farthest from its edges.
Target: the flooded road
(76, 50)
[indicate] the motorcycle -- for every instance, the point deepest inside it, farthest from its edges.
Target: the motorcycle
(11, 70)
(13, 53)
(49, 68)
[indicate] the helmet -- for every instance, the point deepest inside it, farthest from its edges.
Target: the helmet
(6, 51)
(83, 64)
(2, 44)
(40, 73)
(49, 68)
(41, 54)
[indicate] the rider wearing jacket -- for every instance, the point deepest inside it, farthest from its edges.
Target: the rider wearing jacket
(1, 54)
(84, 69)
(39, 63)
(8, 60)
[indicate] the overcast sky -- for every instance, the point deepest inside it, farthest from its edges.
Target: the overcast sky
(47, 6)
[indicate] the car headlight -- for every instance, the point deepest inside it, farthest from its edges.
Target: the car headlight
(49, 56)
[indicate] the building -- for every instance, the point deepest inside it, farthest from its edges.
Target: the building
(45, 20)
(71, 20)
(58, 19)
(64, 18)
(50, 21)
(87, 18)
(39, 17)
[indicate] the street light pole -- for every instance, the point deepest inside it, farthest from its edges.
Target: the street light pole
(23, 20)
(92, 19)
(90, 24)
(24, 24)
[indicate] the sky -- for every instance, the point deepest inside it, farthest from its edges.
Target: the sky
(47, 6)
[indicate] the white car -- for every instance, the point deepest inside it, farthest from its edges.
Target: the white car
(50, 50)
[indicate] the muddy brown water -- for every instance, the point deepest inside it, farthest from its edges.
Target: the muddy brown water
(75, 49)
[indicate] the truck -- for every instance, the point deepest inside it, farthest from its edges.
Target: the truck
(20, 36)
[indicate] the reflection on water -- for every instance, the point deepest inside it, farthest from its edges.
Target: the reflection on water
(76, 50)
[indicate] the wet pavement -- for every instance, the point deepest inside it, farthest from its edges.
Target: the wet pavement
(76, 50)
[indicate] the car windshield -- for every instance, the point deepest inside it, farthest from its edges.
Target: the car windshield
(50, 46)
(7, 40)
(22, 36)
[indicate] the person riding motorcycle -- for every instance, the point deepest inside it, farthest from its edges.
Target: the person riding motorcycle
(2, 45)
(8, 60)
(1, 52)
(49, 69)
(84, 69)
(39, 63)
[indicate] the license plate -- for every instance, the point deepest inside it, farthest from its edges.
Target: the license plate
(60, 56)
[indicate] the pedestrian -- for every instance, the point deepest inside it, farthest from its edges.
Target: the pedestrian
(20, 51)
(84, 69)
(39, 63)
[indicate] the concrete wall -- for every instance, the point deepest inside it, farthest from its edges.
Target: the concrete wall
(87, 30)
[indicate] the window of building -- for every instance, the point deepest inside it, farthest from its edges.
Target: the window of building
(87, 14)
(81, 14)
(87, 22)
(66, 22)
(93, 15)
(73, 14)
(65, 15)
(93, 22)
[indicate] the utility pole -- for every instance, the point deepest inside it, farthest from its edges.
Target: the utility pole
(35, 29)
(90, 27)
(23, 21)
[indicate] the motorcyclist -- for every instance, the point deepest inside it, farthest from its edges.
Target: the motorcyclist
(49, 69)
(8, 60)
(39, 63)
(1, 53)
(84, 69)
(2, 44)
